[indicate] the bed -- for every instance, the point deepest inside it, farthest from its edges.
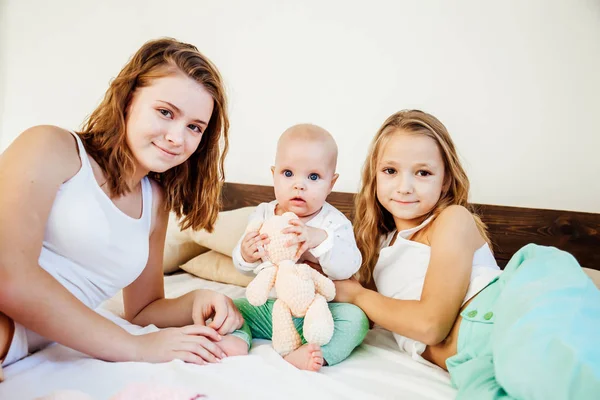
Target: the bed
(375, 370)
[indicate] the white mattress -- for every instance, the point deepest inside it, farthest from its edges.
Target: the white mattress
(375, 370)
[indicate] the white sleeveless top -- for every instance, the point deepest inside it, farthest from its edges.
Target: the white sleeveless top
(401, 268)
(90, 246)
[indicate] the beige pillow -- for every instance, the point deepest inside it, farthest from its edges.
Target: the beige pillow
(179, 246)
(228, 230)
(216, 267)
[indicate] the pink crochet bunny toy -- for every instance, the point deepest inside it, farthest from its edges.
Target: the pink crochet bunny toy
(301, 290)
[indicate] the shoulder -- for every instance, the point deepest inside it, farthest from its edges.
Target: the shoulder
(457, 222)
(49, 147)
(158, 197)
(265, 209)
(456, 213)
(334, 214)
(48, 138)
(267, 205)
(158, 193)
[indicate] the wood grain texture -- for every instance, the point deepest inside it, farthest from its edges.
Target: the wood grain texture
(510, 228)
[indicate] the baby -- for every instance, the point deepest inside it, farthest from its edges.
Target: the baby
(303, 177)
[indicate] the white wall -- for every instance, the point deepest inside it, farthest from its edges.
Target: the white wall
(516, 82)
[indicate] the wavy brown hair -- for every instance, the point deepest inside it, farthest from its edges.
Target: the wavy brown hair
(193, 188)
(375, 221)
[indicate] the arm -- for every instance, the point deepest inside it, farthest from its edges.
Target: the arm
(323, 285)
(31, 172)
(258, 290)
(144, 299)
(240, 264)
(453, 241)
(255, 220)
(332, 243)
(338, 254)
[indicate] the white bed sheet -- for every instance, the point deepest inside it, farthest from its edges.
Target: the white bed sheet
(375, 370)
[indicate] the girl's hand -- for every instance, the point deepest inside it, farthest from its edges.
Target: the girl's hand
(193, 344)
(307, 236)
(252, 247)
(347, 290)
(212, 305)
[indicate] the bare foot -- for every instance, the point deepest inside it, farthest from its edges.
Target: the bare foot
(307, 357)
(233, 346)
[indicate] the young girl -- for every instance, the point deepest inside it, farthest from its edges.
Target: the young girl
(529, 332)
(84, 215)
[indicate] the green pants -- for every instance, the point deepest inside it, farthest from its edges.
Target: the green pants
(532, 333)
(350, 327)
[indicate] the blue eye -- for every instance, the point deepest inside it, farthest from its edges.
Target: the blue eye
(288, 173)
(313, 177)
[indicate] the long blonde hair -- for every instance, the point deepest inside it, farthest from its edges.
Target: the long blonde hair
(193, 188)
(375, 221)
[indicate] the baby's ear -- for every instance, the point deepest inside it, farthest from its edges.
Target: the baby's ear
(333, 180)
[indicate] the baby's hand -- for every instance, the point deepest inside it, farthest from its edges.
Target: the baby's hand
(307, 236)
(252, 247)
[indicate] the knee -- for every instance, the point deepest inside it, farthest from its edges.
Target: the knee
(350, 318)
(352, 313)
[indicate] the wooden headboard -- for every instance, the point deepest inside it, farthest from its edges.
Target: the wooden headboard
(510, 228)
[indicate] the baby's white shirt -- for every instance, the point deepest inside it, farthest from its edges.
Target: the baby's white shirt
(337, 255)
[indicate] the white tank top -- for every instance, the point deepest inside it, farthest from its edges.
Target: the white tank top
(90, 246)
(401, 268)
